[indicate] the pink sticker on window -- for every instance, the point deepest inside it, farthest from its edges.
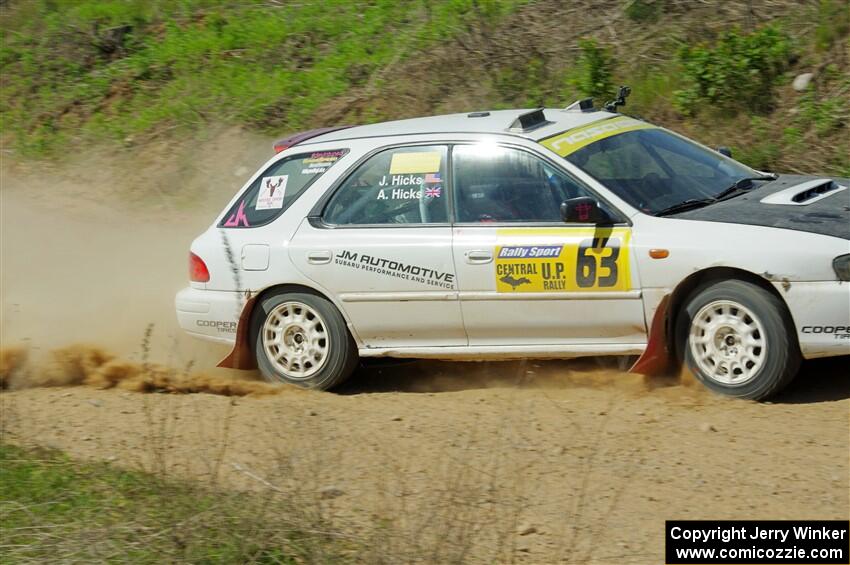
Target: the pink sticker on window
(237, 219)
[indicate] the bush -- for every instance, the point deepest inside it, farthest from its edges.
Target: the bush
(739, 72)
(824, 116)
(764, 152)
(595, 71)
(833, 22)
(532, 82)
(643, 11)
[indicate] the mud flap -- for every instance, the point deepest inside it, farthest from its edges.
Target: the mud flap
(241, 357)
(657, 359)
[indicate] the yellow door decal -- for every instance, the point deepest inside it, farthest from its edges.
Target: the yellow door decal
(562, 260)
(565, 143)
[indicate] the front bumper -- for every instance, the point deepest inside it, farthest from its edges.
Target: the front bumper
(209, 314)
(821, 313)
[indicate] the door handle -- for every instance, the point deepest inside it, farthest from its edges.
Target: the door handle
(319, 257)
(478, 257)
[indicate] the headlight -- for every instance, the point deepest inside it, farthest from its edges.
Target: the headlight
(841, 264)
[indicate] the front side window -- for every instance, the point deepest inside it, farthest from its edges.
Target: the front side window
(653, 169)
(502, 184)
(397, 186)
(278, 187)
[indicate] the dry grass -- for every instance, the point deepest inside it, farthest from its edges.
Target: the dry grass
(56, 508)
(154, 515)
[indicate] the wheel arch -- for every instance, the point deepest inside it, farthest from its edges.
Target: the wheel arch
(241, 356)
(662, 353)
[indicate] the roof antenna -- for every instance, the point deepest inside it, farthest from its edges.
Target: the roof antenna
(620, 100)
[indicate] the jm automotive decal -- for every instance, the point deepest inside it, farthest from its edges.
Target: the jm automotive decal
(583, 260)
(392, 268)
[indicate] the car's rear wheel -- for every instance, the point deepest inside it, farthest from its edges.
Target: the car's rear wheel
(738, 340)
(302, 339)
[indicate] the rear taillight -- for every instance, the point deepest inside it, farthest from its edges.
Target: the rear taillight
(198, 271)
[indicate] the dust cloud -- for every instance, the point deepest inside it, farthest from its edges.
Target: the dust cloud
(93, 251)
(87, 365)
(12, 359)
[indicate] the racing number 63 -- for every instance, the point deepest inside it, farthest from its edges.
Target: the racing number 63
(587, 271)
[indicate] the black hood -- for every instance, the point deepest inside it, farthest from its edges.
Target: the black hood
(810, 206)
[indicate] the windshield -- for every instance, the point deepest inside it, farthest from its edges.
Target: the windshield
(653, 169)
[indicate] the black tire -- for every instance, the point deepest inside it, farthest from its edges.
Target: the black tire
(340, 358)
(730, 336)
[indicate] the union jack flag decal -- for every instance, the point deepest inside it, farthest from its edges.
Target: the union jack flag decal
(434, 192)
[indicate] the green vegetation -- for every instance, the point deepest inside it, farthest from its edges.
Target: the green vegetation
(123, 72)
(738, 72)
(824, 116)
(539, 81)
(643, 10)
(56, 509)
(526, 84)
(833, 23)
(764, 154)
(595, 71)
(91, 69)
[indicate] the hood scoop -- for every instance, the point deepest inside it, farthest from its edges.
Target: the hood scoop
(804, 193)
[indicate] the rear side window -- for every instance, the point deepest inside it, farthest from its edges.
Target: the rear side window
(397, 186)
(278, 187)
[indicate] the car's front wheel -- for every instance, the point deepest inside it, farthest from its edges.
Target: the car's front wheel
(738, 340)
(302, 339)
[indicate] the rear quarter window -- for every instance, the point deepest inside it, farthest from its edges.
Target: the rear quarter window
(278, 187)
(402, 185)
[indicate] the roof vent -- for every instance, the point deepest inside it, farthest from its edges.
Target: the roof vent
(584, 105)
(478, 114)
(529, 121)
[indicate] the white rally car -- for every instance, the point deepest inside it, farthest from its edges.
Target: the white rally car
(543, 233)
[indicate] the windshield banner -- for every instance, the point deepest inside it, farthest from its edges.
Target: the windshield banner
(570, 141)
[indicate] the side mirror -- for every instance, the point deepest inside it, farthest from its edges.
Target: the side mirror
(583, 210)
(723, 150)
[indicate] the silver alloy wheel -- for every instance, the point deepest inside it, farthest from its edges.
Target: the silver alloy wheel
(295, 340)
(727, 342)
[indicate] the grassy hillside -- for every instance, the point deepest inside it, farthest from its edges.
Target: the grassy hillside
(126, 71)
(85, 69)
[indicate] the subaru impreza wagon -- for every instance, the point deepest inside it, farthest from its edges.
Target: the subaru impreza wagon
(546, 233)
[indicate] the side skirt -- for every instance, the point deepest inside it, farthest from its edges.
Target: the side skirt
(485, 352)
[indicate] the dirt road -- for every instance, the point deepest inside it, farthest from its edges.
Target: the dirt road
(538, 462)
(587, 463)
